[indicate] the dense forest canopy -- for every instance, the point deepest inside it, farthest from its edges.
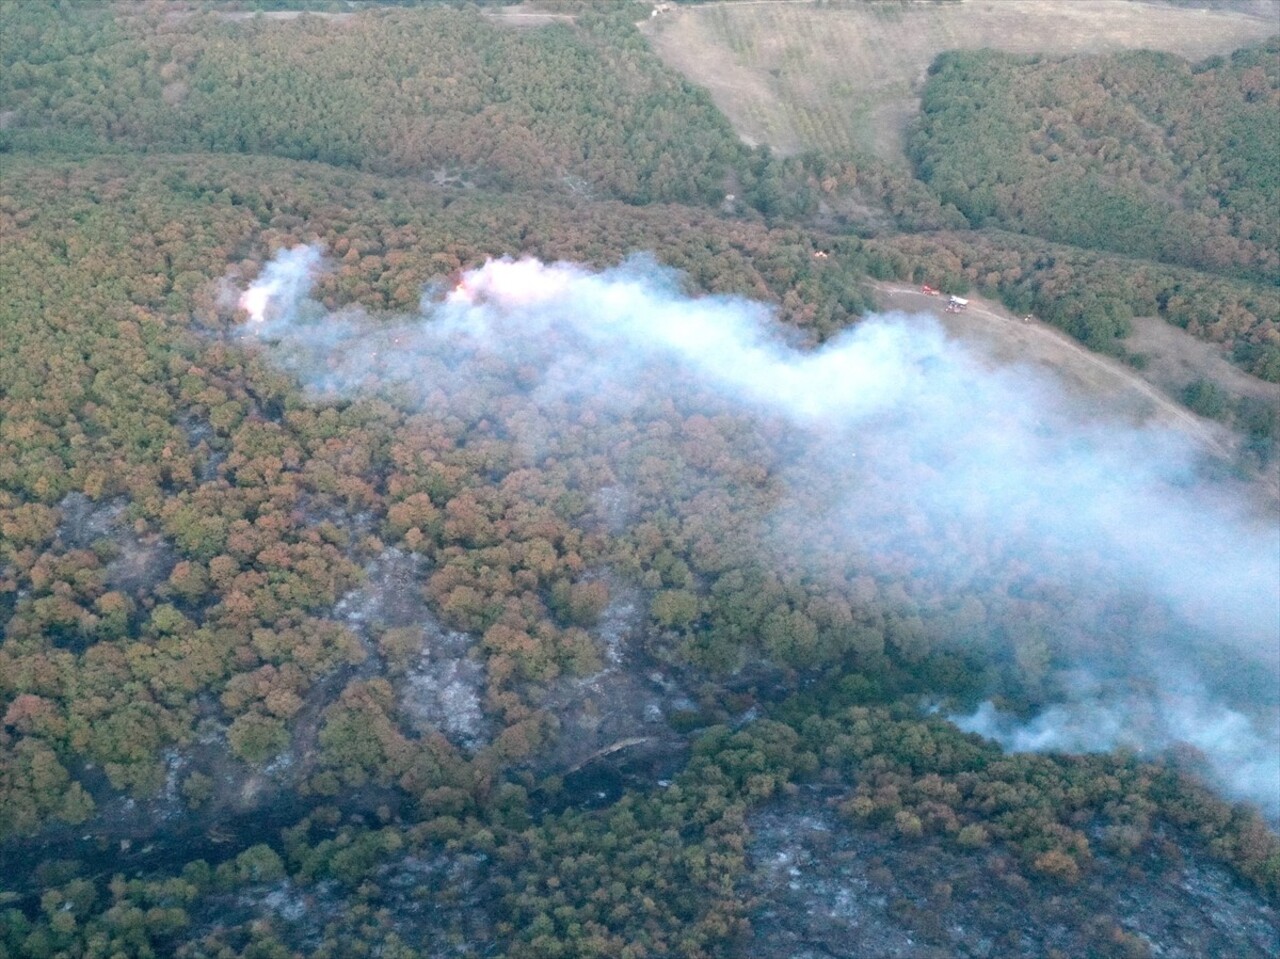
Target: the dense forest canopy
(342, 637)
(433, 92)
(456, 97)
(1139, 153)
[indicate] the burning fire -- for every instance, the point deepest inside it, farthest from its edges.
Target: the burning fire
(511, 283)
(280, 287)
(254, 301)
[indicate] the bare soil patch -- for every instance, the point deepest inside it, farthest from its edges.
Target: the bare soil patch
(839, 76)
(524, 15)
(175, 10)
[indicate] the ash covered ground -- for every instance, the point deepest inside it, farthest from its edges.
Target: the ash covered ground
(822, 888)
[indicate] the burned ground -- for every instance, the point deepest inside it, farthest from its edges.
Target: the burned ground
(824, 888)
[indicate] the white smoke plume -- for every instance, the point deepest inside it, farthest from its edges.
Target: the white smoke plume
(1241, 754)
(1093, 543)
(283, 283)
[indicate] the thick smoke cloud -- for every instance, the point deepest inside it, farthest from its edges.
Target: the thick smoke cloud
(905, 453)
(283, 283)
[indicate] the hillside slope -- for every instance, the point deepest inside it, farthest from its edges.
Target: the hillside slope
(1139, 153)
(846, 77)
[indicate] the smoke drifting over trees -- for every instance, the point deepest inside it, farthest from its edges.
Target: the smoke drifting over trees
(1119, 599)
(515, 617)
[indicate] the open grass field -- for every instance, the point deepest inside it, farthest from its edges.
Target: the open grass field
(845, 75)
(1103, 386)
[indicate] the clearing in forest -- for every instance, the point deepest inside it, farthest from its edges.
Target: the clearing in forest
(843, 77)
(1104, 386)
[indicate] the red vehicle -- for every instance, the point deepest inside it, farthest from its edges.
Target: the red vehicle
(928, 290)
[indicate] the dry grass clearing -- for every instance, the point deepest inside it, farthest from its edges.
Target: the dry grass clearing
(1096, 381)
(524, 15)
(841, 76)
(1104, 387)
